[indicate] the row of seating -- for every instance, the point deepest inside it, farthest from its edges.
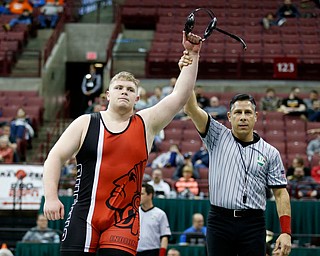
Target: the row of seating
(30, 101)
(227, 59)
(12, 44)
(20, 93)
(288, 135)
(234, 5)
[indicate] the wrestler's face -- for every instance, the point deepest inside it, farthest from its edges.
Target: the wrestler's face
(122, 94)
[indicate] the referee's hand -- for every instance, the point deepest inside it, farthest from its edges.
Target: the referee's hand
(283, 245)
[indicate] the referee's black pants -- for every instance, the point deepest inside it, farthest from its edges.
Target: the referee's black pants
(235, 236)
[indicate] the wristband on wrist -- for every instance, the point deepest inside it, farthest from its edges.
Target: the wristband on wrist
(162, 252)
(285, 223)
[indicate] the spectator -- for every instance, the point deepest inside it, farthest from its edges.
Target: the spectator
(178, 173)
(6, 130)
(293, 104)
(166, 90)
(158, 138)
(313, 147)
(143, 100)
(288, 10)
(173, 252)
(21, 128)
(156, 97)
(202, 100)
(91, 86)
(187, 186)
(301, 186)
(197, 227)
(298, 162)
(70, 168)
(18, 6)
(172, 158)
(270, 20)
(161, 188)
(4, 7)
(24, 18)
(41, 233)
(313, 95)
(50, 12)
(315, 172)
(99, 104)
(68, 177)
(4, 251)
(6, 152)
(200, 159)
(154, 226)
(217, 111)
(146, 178)
(37, 3)
(314, 131)
(270, 102)
(314, 112)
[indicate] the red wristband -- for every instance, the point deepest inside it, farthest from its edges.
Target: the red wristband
(162, 252)
(285, 223)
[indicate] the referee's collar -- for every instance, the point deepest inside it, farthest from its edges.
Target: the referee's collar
(256, 138)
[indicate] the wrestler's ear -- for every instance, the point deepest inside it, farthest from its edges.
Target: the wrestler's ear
(108, 95)
(137, 98)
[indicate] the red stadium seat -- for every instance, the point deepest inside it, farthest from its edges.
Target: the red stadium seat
(296, 135)
(190, 135)
(203, 172)
(296, 147)
(190, 146)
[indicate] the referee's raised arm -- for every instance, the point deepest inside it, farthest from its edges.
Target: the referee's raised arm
(198, 115)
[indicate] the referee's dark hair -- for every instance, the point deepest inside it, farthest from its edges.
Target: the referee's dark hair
(149, 189)
(242, 97)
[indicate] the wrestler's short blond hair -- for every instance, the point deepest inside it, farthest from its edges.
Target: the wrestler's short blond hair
(125, 76)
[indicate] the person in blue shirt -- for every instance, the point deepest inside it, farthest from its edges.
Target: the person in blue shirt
(197, 227)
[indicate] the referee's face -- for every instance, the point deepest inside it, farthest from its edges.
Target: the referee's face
(243, 118)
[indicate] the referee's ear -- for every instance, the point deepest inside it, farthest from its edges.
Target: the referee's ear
(229, 116)
(256, 116)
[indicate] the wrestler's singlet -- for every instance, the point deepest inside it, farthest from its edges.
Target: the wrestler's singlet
(105, 212)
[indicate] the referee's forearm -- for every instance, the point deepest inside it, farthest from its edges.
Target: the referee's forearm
(282, 201)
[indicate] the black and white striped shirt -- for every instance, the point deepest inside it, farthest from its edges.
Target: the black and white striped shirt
(236, 171)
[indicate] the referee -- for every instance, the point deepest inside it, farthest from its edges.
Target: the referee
(154, 226)
(241, 168)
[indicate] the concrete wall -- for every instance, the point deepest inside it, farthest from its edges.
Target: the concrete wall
(53, 79)
(72, 46)
(83, 38)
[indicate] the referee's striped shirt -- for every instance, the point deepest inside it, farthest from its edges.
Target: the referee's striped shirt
(228, 161)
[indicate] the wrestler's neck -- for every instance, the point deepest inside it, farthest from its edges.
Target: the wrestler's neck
(118, 114)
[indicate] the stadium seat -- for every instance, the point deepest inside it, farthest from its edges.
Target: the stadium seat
(203, 172)
(167, 172)
(294, 123)
(173, 134)
(190, 146)
(296, 135)
(274, 135)
(296, 147)
(190, 134)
